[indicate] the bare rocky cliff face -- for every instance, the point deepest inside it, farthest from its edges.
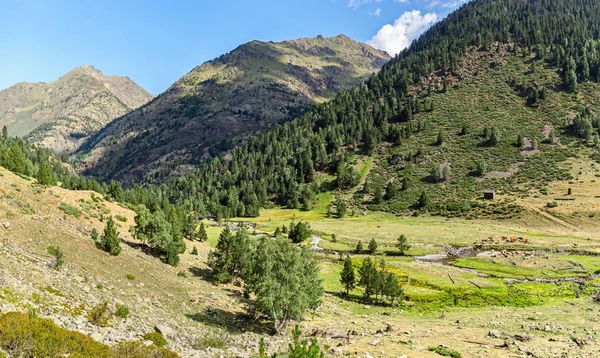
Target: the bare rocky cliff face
(221, 103)
(60, 115)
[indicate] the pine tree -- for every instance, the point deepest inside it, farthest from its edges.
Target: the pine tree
(341, 208)
(403, 245)
(391, 191)
(494, 136)
(423, 201)
(359, 247)
(14, 159)
(45, 175)
(372, 246)
(440, 138)
(378, 195)
(202, 235)
(480, 167)
(4, 133)
(189, 227)
(299, 232)
(368, 277)
(348, 278)
(109, 241)
(194, 251)
(520, 141)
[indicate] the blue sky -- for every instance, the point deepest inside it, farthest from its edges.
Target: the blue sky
(156, 42)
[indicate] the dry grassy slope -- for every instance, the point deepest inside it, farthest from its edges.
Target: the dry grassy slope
(60, 114)
(156, 296)
(248, 90)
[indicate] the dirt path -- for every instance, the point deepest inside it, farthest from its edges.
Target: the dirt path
(315, 243)
(555, 219)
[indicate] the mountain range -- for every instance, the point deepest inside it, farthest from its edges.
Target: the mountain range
(60, 115)
(219, 104)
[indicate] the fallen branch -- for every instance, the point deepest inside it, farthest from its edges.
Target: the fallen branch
(450, 277)
(474, 284)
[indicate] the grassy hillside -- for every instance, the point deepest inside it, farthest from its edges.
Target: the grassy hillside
(60, 114)
(219, 104)
(510, 288)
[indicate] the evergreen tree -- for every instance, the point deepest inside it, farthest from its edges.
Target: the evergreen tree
(299, 232)
(372, 246)
(378, 195)
(4, 133)
(391, 191)
(480, 167)
(494, 136)
(94, 234)
(232, 255)
(368, 277)
(189, 228)
(45, 175)
(403, 245)
(440, 138)
(340, 206)
(14, 159)
(359, 247)
(423, 201)
(348, 278)
(194, 251)
(110, 241)
(520, 141)
(202, 235)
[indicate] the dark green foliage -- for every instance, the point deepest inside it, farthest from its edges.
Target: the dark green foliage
(297, 349)
(379, 283)
(423, 201)
(162, 234)
(520, 142)
(45, 175)
(359, 247)
(480, 167)
(100, 314)
(341, 208)
(202, 235)
(372, 246)
(110, 241)
(14, 160)
(378, 195)
(299, 232)
(194, 251)
(232, 255)
(189, 228)
(402, 244)
(348, 277)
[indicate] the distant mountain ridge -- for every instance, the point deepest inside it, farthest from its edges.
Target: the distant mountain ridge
(59, 115)
(253, 88)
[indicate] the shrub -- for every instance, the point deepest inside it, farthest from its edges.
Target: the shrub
(100, 314)
(99, 286)
(59, 259)
(551, 204)
(156, 338)
(194, 251)
(122, 311)
(36, 337)
(213, 339)
(130, 277)
(139, 350)
(181, 274)
(121, 218)
(69, 209)
(32, 312)
(445, 351)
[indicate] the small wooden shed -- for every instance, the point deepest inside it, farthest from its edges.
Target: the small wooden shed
(489, 195)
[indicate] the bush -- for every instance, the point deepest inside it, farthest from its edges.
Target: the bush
(36, 337)
(139, 350)
(121, 218)
(69, 209)
(100, 314)
(551, 204)
(130, 277)
(156, 338)
(59, 259)
(445, 351)
(213, 339)
(122, 311)
(99, 286)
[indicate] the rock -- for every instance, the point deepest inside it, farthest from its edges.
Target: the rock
(164, 330)
(494, 333)
(336, 351)
(374, 342)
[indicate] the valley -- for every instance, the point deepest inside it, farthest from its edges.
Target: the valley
(317, 197)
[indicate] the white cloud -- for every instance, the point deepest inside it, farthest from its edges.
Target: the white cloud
(395, 38)
(357, 3)
(375, 13)
(447, 4)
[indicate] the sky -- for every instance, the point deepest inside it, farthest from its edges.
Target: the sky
(156, 42)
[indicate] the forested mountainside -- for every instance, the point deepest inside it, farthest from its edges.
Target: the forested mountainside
(502, 80)
(221, 103)
(59, 115)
